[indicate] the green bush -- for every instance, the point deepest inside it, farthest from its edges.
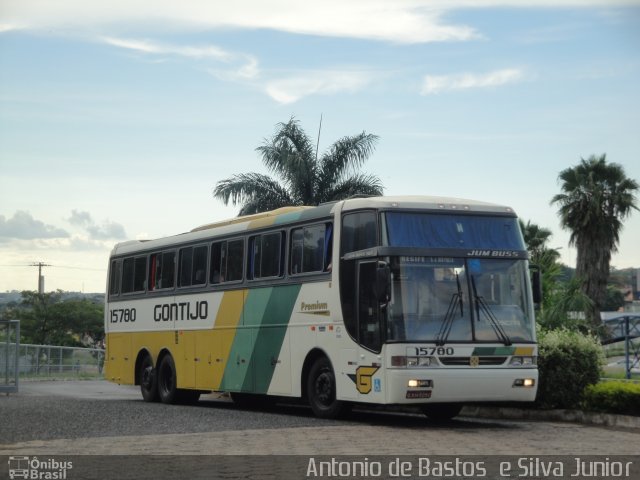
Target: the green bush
(568, 361)
(613, 397)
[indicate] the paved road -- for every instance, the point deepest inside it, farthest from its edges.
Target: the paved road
(95, 417)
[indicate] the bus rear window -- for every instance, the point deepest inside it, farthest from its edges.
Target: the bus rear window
(114, 277)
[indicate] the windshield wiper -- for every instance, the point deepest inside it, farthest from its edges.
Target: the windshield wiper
(447, 323)
(481, 305)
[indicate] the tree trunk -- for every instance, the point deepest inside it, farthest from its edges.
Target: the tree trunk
(592, 267)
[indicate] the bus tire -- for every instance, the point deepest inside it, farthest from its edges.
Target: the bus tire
(167, 381)
(148, 380)
(441, 412)
(321, 390)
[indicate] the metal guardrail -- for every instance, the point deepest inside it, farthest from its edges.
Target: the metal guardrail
(34, 361)
(625, 328)
(9, 347)
(52, 360)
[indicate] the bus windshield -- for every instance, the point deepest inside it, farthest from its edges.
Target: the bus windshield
(436, 299)
(429, 230)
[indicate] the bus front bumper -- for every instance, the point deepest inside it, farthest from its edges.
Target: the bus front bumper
(419, 386)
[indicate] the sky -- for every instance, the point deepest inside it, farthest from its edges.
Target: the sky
(118, 118)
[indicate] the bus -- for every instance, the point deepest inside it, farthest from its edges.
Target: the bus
(408, 300)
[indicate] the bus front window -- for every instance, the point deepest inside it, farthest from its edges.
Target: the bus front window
(458, 300)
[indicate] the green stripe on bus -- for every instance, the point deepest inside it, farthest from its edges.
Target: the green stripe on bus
(255, 348)
(269, 338)
(489, 351)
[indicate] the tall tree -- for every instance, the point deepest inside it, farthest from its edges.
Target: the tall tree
(596, 197)
(536, 239)
(48, 319)
(304, 179)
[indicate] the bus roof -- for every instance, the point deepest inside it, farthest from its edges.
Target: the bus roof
(288, 215)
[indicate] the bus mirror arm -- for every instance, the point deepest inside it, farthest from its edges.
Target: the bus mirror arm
(536, 284)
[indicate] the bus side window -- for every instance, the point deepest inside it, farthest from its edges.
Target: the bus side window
(359, 231)
(134, 272)
(193, 266)
(162, 268)
(217, 250)
(266, 255)
(114, 277)
(227, 258)
(140, 274)
(127, 275)
(309, 249)
(235, 259)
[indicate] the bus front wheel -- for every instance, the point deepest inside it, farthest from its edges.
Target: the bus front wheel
(148, 380)
(321, 390)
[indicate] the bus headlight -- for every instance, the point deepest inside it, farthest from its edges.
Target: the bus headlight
(420, 383)
(524, 382)
(403, 361)
(523, 361)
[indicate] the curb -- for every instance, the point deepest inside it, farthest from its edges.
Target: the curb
(572, 416)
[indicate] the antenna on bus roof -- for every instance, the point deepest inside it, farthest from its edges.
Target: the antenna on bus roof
(318, 143)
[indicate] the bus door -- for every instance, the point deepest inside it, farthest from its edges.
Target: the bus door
(368, 310)
(370, 317)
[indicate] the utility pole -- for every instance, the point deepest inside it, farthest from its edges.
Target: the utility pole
(40, 277)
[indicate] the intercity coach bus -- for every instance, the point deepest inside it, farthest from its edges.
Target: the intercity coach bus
(421, 301)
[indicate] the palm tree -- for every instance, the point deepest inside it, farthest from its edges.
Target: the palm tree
(536, 238)
(546, 258)
(305, 179)
(596, 197)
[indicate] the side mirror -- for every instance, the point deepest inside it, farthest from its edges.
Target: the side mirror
(536, 284)
(383, 283)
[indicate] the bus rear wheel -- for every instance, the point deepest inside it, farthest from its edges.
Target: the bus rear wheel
(148, 380)
(167, 389)
(441, 412)
(321, 390)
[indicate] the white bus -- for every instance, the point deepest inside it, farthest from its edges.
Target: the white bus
(422, 301)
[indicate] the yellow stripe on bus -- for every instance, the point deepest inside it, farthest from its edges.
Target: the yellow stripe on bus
(228, 317)
(524, 351)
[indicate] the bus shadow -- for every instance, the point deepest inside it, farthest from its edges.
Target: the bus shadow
(364, 415)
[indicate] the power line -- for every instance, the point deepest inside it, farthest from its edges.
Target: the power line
(59, 266)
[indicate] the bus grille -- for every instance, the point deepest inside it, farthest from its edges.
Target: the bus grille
(484, 361)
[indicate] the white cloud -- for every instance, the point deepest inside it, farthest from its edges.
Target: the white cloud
(146, 46)
(292, 89)
(24, 227)
(243, 67)
(5, 27)
(434, 84)
(108, 230)
(80, 218)
(403, 21)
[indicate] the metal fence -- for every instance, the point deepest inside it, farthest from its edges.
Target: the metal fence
(54, 361)
(9, 347)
